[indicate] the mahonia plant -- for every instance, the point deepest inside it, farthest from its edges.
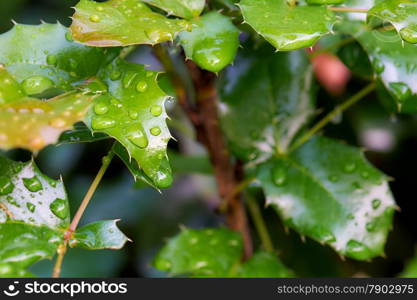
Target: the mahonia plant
(252, 102)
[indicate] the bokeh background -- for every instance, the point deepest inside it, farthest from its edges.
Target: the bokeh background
(149, 217)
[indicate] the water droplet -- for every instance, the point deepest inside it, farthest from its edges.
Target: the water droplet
(401, 90)
(115, 75)
(59, 208)
(36, 84)
(163, 179)
(155, 131)
(365, 175)
(58, 123)
(31, 207)
(279, 175)
(6, 185)
(334, 178)
(95, 18)
(409, 35)
(141, 86)
(102, 123)
(138, 139)
(99, 8)
(101, 108)
(379, 66)
(356, 250)
(350, 167)
(51, 60)
(133, 114)
(376, 203)
(33, 184)
(156, 110)
(68, 36)
(350, 217)
(370, 226)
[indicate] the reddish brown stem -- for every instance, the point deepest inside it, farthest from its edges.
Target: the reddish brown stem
(204, 116)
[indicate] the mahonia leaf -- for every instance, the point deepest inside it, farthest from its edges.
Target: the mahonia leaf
(132, 165)
(43, 57)
(410, 270)
(182, 8)
(266, 98)
(212, 43)
(99, 235)
(34, 213)
(31, 123)
(122, 23)
(329, 192)
(133, 112)
(285, 27)
(201, 253)
(393, 62)
(80, 134)
(402, 14)
(263, 265)
(10, 271)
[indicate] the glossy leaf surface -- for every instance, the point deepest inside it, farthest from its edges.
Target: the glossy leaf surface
(402, 14)
(201, 253)
(133, 112)
(285, 27)
(266, 98)
(182, 8)
(212, 43)
(99, 235)
(329, 192)
(263, 265)
(122, 23)
(43, 57)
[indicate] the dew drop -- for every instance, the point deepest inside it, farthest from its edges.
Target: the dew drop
(36, 84)
(101, 108)
(141, 86)
(6, 186)
(156, 110)
(155, 131)
(133, 114)
(409, 35)
(95, 18)
(350, 167)
(51, 60)
(379, 66)
(365, 175)
(33, 184)
(370, 226)
(401, 90)
(376, 203)
(68, 36)
(102, 123)
(58, 123)
(100, 8)
(115, 75)
(163, 179)
(334, 178)
(279, 175)
(59, 208)
(138, 139)
(356, 249)
(31, 207)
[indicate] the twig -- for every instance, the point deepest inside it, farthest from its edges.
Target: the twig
(339, 109)
(260, 225)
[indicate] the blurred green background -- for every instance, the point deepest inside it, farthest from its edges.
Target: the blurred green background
(149, 217)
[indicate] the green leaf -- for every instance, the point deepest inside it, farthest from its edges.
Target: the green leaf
(80, 134)
(10, 271)
(329, 192)
(32, 124)
(133, 112)
(28, 196)
(99, 235)
(122, 23)
(410, 270)
(132, 165)
(212, 43)
(263, 265)
(201, 253)
(43, 57)
(182, 8)
(402, 14)
(33, 215)
(393, 63)
(266, 98)
(285, 27)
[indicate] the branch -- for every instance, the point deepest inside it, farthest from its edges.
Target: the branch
(339, 109)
